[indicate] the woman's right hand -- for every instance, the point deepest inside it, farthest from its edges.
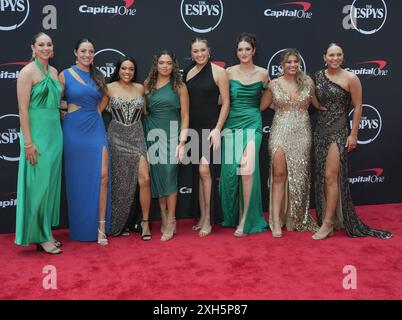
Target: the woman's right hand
(31, 152)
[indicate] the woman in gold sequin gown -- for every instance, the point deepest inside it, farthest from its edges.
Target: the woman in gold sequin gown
(290, 146)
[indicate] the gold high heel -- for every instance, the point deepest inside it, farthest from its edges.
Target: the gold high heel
(102, 240)
(170, 230)
(53, 250)
(276, 233)
(326, 231)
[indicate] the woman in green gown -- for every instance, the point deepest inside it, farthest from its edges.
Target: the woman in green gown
(167, 104)
(240, 183)
(39, 171)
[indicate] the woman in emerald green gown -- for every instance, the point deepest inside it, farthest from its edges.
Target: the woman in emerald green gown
(166, 132)
(39, 171)
(240, 183)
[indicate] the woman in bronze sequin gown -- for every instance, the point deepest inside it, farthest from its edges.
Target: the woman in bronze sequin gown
(336, 88)
(290, 146)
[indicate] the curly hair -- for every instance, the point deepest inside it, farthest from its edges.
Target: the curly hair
(302, 79)
(175, 77)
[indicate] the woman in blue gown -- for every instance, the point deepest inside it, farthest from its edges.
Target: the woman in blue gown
(86, 149)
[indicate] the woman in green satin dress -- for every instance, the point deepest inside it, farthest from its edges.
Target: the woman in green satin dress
(240, 183)
(41, 141)
(166, 132)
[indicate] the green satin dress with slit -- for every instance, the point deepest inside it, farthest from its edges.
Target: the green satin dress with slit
(243, 126)
(39, 185)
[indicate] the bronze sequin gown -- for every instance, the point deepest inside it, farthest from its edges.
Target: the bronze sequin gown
(291, 132)
(127, 145)
(331, 128)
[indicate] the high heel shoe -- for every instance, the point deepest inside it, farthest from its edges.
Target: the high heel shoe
(102, 240)
(170, 230)
(52, 250)
(276, 233)
(239, 233)
(205, 232)
(57, 243)
(326, 231)
(146, 236)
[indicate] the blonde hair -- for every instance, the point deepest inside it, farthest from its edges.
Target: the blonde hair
(302, 80)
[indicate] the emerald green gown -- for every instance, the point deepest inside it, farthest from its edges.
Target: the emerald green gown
(162, 126)
(38, 190)
(244, 114)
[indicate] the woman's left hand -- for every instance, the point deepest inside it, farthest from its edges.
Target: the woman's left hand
(215, 139)
(180, 153)
(351, 142)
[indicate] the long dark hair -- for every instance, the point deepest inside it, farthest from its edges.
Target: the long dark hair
(247, 37)
(175, 76)
(332, 44)
(96, 75)
(115, 75)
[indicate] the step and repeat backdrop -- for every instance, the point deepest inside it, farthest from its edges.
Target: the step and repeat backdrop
(368, 30)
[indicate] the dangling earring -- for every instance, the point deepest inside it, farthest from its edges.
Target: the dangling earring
(52, 55)
(33, 55)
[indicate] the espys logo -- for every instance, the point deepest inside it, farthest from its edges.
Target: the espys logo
(301, 11)
(11, 70)
(111, 8)
(9, 137)
(373, 175)
(185, 190)
(266, 129)
(274, 65)
(370, 124)
(13, 13)
(105, 61)
(372, 68)
(201, 16)
(365, 16)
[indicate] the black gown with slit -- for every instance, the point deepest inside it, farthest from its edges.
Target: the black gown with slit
(332, 127)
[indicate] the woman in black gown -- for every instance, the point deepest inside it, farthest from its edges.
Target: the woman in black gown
(205, 83)
(336, 88)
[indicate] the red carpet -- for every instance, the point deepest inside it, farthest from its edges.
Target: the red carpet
(216, 267)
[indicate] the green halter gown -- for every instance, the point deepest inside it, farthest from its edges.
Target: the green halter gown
(38, 191)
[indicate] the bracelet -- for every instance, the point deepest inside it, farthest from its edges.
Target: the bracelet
(28, 146)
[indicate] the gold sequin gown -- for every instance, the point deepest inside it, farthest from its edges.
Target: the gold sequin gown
(291, 132)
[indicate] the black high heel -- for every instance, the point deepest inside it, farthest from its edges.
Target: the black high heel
(146, 237)
(53, 250)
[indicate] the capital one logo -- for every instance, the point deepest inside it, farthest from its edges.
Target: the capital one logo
(13, 14)
(185, 190)
(293, 10)
(274, 65)
(372, 175)
(11, 70)
(375, 68)
(106, 59)
(370, 124)
(201, 16)
(9, 137)
(8, 200)
(365, 16)
(114, 8)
